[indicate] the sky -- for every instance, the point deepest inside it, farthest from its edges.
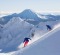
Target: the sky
(36, 5)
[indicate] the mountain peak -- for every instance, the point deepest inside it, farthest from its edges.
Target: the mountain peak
(27, 11)
(29, 14)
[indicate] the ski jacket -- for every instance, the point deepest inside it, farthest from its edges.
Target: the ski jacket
(48, 27)
(26, 39)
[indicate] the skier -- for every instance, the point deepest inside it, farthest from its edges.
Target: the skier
(32, 34)
(49, 27)
(26, 40)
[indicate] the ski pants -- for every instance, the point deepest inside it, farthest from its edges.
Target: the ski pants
(25, 43)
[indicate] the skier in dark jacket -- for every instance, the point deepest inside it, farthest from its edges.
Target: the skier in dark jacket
(26, 40)
(49, 27)
(32, 34)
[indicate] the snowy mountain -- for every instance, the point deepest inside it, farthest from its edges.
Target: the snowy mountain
(13, 34)
(18, 26)
(27, 15)
(30, 16)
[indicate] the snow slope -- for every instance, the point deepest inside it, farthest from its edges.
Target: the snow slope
(48, 44)
(13, 34)
(16, 29)
(40, 30)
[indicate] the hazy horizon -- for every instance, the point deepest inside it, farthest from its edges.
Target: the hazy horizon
(15, 6)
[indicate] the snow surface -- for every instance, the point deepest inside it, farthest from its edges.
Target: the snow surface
(13, 33)
(49, 44)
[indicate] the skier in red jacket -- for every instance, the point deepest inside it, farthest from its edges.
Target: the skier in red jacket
(26, 40)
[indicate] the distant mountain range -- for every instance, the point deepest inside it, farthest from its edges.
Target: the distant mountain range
(30, 16)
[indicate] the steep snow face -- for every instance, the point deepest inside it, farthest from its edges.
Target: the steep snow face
(13, 34)
(13, 21)
(48, 45)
